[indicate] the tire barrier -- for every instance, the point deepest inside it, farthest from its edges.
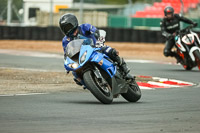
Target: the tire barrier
(1, 33)
(27, 33)
(49, 34)
(43, 35)
(20, 34)
(135, 36)
(151, 36)
(54, 33)
(5, 32)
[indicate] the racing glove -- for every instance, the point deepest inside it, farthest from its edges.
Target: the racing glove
(195, 24)
(101, 39)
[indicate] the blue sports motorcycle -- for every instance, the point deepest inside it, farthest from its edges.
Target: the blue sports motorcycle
(98, 73)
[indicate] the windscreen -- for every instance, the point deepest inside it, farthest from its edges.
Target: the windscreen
(73, 47)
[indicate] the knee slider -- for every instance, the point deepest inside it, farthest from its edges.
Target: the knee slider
(167, 53)
(114, 52)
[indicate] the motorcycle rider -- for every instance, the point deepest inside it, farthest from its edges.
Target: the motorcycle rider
(69, 26)
(169, 25)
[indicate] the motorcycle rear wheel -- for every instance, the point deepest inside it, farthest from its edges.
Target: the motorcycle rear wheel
(104, 95)
(197, 56)
(134, 93)
(188, 67)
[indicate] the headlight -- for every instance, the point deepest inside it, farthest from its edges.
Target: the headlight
(73, 65)
(83, 57)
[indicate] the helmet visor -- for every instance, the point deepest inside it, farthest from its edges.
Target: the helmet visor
(68, 29)
(169, 15)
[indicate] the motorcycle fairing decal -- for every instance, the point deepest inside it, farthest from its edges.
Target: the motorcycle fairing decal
(179, 45)
(188, 39)
(191, 52)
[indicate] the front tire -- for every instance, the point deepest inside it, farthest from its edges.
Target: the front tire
(134, 93)
(103, 95)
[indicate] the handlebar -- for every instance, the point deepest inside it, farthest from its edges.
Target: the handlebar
(185, 29)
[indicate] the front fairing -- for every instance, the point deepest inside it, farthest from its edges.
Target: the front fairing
(87, 53)
(75, 47)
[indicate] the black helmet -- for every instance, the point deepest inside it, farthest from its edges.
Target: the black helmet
(68, 24)
(169, 10)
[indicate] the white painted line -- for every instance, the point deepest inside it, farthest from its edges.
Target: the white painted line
(146, 88)
(25, 94)
(8, 95)
(141, 61)
(160, 79)
(150, 61)
(30, 53)
(29, 69)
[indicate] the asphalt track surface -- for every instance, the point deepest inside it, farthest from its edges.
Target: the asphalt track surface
(171, 110)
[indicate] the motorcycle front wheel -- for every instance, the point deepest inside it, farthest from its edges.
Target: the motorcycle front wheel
(134, 93)
(101, 92)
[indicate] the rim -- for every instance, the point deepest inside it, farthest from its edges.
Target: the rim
(104, 89)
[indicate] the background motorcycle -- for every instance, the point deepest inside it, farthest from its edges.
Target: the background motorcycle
(188, 48)
(98, 73)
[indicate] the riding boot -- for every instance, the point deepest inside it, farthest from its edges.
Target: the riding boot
(123, 66)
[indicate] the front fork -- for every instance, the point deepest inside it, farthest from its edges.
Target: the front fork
(97, 73)
(99, 76)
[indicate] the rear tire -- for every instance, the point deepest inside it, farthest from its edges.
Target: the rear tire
(134, 93)
(188, 68)
(186, 64)
(197, 56)
(90, 81)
